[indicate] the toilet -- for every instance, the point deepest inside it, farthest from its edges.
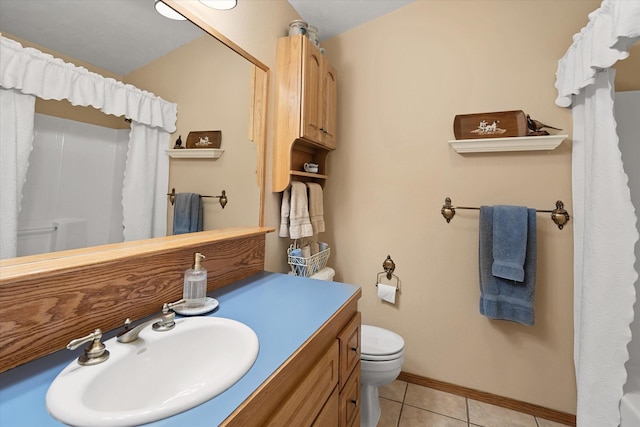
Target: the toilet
(381, 357)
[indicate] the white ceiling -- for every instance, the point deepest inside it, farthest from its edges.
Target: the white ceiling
(333, 17)
(123, 35)
(117, 35)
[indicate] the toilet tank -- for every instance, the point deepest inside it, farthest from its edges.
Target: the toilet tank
(326, 273)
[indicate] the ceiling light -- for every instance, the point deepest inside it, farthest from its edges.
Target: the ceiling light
(167, 12)
(220, 4)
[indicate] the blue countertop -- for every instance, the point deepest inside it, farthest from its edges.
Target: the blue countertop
(283, 310)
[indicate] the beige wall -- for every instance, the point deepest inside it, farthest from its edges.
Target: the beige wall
(401, 80)
(628, 70)
(210, 84)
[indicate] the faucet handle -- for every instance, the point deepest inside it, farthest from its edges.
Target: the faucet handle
(167, 320)
(94, 353)
(170, 306)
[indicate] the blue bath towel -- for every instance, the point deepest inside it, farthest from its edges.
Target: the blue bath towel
(509, 242)
(502, 298)
(187, 213)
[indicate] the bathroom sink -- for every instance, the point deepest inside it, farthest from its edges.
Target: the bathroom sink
(158, 375)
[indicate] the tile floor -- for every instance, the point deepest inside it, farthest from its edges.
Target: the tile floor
(408, 405)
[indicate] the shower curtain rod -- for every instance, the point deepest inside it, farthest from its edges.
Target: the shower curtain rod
(558, 215)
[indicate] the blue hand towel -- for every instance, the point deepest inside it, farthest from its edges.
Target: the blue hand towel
(502, 298)
(187, 213)
(509, 242)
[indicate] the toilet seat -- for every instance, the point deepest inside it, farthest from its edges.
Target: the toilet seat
(378, 344)
(382, 358)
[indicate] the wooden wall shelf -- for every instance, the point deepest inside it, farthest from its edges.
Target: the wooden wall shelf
(196, 153)
(522, 143)
(309, 175)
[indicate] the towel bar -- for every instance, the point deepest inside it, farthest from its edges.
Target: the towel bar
(558, 215)
(222, 197)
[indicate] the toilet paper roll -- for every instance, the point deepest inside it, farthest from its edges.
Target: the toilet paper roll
(387, 293)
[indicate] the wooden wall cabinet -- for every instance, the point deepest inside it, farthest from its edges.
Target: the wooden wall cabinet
(306, 111)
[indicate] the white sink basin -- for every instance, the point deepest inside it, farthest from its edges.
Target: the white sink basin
(156, 376)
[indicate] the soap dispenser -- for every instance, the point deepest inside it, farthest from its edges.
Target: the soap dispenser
(195, 284)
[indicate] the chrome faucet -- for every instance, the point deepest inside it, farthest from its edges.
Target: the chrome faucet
(165, 322)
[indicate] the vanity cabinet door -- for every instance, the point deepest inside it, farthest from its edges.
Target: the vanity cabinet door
(350, 400)
(327, 417)
(308, 398)
(349, 348)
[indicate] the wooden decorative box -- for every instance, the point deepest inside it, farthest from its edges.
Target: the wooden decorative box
(204, 139)
(490, 125)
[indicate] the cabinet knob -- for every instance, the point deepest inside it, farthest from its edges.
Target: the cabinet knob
(354, 401)
(354, 349)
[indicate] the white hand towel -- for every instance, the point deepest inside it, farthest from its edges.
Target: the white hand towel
(284, 214)
(306, 251)
(316, 209)
(299, 223)
(387, 293)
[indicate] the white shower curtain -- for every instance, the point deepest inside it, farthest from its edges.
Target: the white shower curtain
(16, 142)
(604, 219)
(144, 217)
(604, 236)
(33, 73)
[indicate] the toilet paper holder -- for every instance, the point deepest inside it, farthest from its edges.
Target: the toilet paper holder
(389, 267)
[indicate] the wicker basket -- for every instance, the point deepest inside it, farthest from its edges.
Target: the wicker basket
(305, 267)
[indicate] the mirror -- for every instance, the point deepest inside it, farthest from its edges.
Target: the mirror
(216, 86)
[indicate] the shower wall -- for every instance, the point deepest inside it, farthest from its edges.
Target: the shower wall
(627, 106)
(74, 183)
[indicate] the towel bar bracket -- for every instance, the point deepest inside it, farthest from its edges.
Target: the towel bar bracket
(558, 215)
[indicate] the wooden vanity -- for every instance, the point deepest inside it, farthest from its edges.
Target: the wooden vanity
(308, 368)
(312, 390)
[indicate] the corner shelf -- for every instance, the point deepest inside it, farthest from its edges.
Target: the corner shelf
(195, 153)
(308, 174)
(521, 143)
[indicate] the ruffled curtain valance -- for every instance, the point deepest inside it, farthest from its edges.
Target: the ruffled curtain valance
(33, 72)
(611, 30)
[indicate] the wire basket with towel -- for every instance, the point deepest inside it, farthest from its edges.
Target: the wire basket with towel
(308, 259)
